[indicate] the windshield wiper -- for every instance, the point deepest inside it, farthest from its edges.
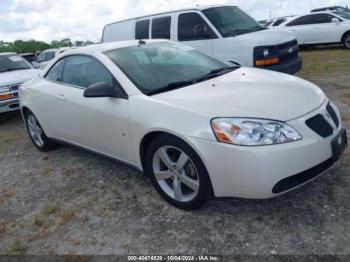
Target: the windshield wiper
(13, 69)
(172, 86)
(222, 69)
(259, 28)
(179, 84)
(216, 72)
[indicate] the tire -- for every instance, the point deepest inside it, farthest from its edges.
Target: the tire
(177, 172)
(37, 134)
(346, 41)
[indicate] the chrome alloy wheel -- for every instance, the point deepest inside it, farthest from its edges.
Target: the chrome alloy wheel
(35, 131)
(175, 173)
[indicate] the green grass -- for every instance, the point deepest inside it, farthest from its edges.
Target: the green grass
(320, 62)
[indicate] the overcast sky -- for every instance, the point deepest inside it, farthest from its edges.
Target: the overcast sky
(84, 19)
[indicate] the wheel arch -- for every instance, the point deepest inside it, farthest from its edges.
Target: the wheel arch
(150, 136)
(24, 110)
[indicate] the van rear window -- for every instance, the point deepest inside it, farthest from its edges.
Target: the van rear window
(142, 29)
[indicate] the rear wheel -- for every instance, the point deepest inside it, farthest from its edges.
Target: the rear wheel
(346, 41)
(177, 172)
(37, 134)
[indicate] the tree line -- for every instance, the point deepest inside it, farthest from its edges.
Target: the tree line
(33, 46)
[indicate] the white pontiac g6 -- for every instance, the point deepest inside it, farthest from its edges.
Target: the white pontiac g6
(196, 125)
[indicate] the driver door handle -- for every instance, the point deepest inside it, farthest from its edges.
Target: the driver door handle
(61, 97)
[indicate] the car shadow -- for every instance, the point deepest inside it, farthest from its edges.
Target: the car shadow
(10, 117)
(322, 48)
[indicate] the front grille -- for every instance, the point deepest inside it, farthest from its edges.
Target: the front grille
(288, 51)
(320, 125)
(285, 52)
(333, 114)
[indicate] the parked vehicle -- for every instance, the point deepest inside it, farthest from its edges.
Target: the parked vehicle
(14, 71)
(331, 8)
(193, 123)
(46, 56)
(276, 22)
(30, 57)
(224, 31)
(320, 28)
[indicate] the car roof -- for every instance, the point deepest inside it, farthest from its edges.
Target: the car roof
(104, 47)
(51, 50)
(326, 7)
(8, 53)
(314, 13)
(195, 8)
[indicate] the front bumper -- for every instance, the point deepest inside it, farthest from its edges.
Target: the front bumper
(289, 67)
(255, 172)
(9, 105)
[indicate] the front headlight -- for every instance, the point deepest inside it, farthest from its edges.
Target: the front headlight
(253, 132)
(4, 89)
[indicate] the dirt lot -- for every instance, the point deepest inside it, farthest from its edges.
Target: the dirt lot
(73, 202)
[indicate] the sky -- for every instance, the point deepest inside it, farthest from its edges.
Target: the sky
(49, 20)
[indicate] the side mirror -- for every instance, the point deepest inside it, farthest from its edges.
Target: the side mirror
(102, 89)
(335, 20)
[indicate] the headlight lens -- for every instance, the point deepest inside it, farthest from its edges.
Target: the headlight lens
(253, 132)
(4, 89)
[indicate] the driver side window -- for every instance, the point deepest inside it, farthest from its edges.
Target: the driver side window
(55, 73)
(191, 27)
(84, 71)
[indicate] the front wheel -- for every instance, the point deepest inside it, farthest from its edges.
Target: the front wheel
(36, 133)
(177, 172)
(346, 41)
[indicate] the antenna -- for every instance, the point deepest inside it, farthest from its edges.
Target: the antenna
(141, 42)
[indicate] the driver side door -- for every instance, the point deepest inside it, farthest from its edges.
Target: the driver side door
(303, 29)
(193, 30)
(98, 124)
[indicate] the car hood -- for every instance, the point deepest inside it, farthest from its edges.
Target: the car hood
(266, 37)
(17, 77)
(249, 92)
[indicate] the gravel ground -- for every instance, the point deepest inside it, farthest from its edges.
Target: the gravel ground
(73, 202)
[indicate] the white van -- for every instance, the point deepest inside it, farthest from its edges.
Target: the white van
(224, 31)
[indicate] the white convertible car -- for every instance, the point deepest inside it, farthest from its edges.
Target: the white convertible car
(196, 125)
(320, 28)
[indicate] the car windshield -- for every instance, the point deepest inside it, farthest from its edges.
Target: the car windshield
(343, 9)
(342, 14)
(231, 21)
(12, 62)
(163, 66)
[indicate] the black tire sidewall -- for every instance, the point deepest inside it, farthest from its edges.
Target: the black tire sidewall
(47, 145)
(344, 41)
(204, 191)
